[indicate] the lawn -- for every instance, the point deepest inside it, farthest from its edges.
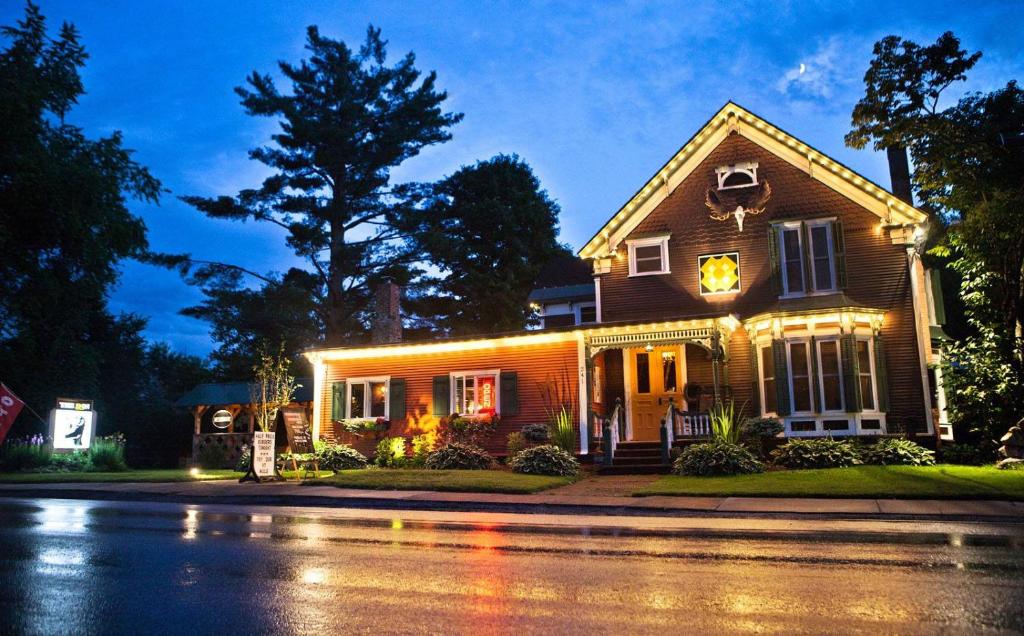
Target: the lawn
(887, 482)
(151, 475)
(499, 481)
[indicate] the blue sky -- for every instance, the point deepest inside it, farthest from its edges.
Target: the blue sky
(595, 96)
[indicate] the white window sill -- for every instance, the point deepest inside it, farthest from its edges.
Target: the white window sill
(637, 275)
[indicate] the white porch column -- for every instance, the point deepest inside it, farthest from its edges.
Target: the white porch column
(584, 392)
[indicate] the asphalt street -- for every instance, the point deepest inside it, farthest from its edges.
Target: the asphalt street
(90, 567)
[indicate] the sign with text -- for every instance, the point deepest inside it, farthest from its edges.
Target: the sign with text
(72, 424)
(485, 386)
(263, 453)
(300, 438)
(10, 406)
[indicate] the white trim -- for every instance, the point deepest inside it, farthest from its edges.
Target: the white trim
(760, 378)
(739, 274)
(627, 382)
(365, 381)
(584, 423)
(809, 252)
(597, 296)
(913, 261)
(810, 378)
(821, 374)
(465, 374)
(684, 377)
(319, 378)
(781, 229)
(661, 241)
(871, 365)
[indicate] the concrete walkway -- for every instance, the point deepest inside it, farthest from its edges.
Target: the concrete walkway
(292, 494)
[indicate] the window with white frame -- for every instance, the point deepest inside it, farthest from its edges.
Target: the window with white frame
(475, 392)
(367, 398)
(799, 376)
(866, 372)
(807, 257)
(648, 256)
(830, 372)
(586, 313)
(769, 398)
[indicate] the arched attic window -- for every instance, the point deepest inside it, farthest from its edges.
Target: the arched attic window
(740, 175)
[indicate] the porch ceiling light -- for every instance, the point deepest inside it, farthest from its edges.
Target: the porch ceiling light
(649, 347)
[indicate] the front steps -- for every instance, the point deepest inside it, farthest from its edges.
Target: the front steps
(636, 458)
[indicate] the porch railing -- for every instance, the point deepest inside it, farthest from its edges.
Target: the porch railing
(688, 423)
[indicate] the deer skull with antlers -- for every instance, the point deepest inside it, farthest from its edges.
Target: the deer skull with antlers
(725, 204)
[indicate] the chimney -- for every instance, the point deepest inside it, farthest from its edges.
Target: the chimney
(899, 173)
(387, 316)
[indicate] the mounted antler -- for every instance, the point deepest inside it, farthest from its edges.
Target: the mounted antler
(724, 204)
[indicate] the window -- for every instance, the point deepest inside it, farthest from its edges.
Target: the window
(475, 392)
(643, 373)
(648, 256)
(865, 363)
(769, 397)
(807, 258)
(831, 380)
(668, 371)
(800, 376)
(792, 263)
(367, 398)
(586, 314)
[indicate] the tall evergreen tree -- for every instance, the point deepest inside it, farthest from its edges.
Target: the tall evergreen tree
(491, 229)
(64, 223)
(348, 120)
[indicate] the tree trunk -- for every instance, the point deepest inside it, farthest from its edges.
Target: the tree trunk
(335, 281)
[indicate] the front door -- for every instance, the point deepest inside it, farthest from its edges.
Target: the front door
(656, 379)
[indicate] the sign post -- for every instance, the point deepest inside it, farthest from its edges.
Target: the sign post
(262, 466)
(72, 425)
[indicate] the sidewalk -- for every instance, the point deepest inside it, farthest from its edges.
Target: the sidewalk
(292, 494)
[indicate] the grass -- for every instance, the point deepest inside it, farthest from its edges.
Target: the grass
(148, 475)
(498, 481)
(877, 482)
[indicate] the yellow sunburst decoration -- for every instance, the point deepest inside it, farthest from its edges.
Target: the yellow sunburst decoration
(719, 273)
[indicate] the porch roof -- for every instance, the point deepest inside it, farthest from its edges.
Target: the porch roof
(223, 393)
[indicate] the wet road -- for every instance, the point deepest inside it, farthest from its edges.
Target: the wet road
(80, 567)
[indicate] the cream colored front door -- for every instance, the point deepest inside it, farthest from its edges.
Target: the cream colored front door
(655, 378)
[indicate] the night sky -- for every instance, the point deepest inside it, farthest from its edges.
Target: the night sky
(595, 99)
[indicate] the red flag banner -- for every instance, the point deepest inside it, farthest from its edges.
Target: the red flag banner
(10, 406)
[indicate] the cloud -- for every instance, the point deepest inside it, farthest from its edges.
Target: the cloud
(823, 73)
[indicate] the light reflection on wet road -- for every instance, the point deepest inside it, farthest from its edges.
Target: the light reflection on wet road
(81, 567)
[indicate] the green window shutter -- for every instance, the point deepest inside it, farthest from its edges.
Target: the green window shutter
(805, 257)
(338, 400)
(881, 376)
(815, 379)
(442, 395)
(851, 375)
(781, 377)
(509, 393)
(839, 246)
(755, 388)
(396, 400)
(935, 277)
(773, 257)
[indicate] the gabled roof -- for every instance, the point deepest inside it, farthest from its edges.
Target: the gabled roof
(734, 118)
(223, 393)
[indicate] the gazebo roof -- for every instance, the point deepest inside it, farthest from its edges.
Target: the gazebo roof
(220, 393)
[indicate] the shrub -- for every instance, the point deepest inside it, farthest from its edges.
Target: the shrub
(459, 456)
(335, 457)
(73, 462)
(212, 456)
(468, 429)
(755, 428)
(897, 452)
(516, 444)
(390, 452)
(545, 460)
(107, 454)
(25, 454)
(563, 435)
(725, 421)
(242, 465)
(422, 446)
(716, 458)
(537, 432)
(967, 454)
(816, 453)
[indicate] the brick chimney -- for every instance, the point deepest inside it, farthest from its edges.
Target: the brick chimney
(899, 173)
(387, 315)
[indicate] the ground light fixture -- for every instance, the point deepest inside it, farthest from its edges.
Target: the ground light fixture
(194, 471)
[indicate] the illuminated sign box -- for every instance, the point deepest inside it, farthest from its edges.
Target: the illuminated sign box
(72, 425)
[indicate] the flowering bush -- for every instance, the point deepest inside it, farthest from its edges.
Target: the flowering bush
(360, 426)
(468, 429)
(27, 453)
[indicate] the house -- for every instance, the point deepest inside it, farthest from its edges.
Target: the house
(749, 267)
